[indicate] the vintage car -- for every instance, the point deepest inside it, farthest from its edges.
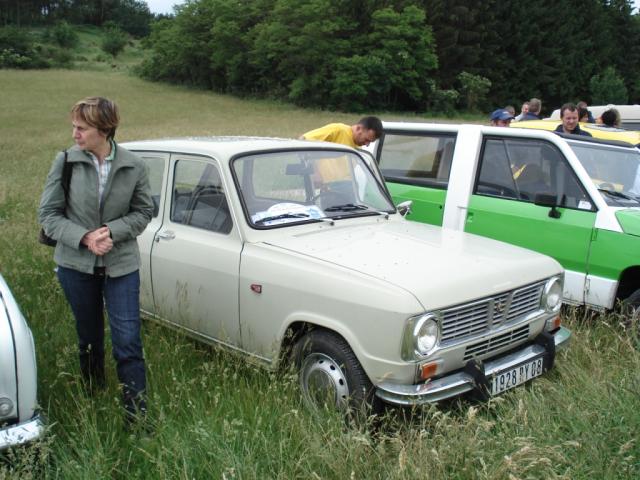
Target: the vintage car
(572, 197)
(291, 252)
(20, 421)
(597, 131)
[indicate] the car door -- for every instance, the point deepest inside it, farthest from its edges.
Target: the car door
(512, 172)
(416, 167)
(158, 165)
(196, 253)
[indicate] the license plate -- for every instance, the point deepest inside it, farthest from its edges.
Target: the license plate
(513, 377)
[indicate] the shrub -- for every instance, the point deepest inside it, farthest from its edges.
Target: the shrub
(114, 41)
(474, 88)
(17, 49)
(65, 35)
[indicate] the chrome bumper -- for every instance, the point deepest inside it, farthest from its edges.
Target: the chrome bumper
(22, 432)
(463, 381)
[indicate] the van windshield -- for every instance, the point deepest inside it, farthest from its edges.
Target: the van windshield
(615, 171)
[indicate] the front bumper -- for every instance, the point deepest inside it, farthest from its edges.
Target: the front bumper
(22, 432)
(475, 376)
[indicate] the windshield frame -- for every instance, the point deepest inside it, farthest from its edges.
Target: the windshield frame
(348, 213)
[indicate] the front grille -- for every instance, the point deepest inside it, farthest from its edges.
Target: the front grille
(478, 317)
(496, 343)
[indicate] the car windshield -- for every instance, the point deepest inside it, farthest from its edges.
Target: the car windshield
(614, 171)
(296, 186)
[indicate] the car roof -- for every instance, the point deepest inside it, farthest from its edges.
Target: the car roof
(227, 146)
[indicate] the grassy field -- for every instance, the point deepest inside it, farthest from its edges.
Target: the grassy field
(216, 416)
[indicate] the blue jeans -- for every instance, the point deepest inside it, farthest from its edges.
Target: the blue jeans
(88, 295)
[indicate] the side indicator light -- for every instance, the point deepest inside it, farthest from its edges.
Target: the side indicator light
(256, 288)
(428, 370)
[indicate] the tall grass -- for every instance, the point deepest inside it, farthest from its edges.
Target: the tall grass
(216, 416)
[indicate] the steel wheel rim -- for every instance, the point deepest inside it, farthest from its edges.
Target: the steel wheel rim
(322, 381)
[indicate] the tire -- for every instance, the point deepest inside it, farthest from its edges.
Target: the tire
(631, 309)
(331, 376)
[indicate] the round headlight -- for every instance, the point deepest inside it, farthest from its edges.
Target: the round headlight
(6, 406)
(552, 295)
(426, 333)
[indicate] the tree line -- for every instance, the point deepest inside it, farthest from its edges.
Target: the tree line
(414, 55)
(357, 55)
(132, 16)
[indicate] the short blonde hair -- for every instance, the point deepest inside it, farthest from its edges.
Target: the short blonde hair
(100, 113)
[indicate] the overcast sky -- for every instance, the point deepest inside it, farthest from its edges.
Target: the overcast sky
(163, 6)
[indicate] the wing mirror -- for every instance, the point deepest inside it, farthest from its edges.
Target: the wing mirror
(548, 200)
(404, 208)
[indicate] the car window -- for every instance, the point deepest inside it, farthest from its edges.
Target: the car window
(520, 169)
(156, 164)
(279, 188)
(417, 159)
(198, 197)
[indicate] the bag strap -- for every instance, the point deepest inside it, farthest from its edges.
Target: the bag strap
(66, 177)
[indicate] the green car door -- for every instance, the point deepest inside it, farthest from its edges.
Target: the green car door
(518, 183)
(416, 167)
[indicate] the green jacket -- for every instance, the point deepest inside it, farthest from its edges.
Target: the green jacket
(126, 209)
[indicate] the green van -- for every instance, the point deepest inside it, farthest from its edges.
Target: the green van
(573, 198)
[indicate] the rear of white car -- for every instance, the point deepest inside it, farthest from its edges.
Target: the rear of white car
(20, 421)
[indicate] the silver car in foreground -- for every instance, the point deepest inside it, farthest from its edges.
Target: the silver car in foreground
(20, 421)
(292, 251)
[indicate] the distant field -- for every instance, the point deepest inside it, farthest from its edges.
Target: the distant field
(216, 416)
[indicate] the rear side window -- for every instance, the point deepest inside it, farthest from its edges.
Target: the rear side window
(417, 159)
(198, 197)
(520, 169)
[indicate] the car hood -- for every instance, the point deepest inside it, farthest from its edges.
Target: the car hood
(440, 267)
(629, 221)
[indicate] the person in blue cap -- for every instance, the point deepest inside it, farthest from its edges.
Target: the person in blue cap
(501, 118)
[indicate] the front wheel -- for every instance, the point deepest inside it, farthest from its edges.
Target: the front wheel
(330, 374)
(631, 308)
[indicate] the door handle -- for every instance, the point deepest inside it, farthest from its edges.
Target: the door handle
(166, 235)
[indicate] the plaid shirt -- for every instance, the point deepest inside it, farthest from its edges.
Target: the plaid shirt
(104, 169)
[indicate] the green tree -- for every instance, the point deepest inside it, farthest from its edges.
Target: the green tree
(608, 87)
(475, 89)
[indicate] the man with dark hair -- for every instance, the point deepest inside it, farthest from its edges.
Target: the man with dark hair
(569, 116)
(367, 130)
(535, 106)
(610, 118)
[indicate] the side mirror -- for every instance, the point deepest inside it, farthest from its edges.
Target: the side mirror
(548, 200)
(404, 208)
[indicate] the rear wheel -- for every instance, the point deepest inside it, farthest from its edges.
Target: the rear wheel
(330, 374)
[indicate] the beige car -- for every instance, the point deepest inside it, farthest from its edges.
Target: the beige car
(289, 251)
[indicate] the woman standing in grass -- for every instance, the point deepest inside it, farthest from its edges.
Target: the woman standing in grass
(95, 215)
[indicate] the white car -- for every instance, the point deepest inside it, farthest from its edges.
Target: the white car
(20, 421)
(292, 251)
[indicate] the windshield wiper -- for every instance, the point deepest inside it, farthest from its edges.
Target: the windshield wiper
(350, 207)
(347, 207)
(281, 216)
(613, 193)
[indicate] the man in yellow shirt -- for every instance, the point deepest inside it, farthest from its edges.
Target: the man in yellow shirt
(367, 130)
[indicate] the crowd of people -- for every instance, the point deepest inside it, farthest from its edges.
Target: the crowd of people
(571, 115)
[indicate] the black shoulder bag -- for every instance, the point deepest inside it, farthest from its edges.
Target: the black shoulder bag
(43, 238)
